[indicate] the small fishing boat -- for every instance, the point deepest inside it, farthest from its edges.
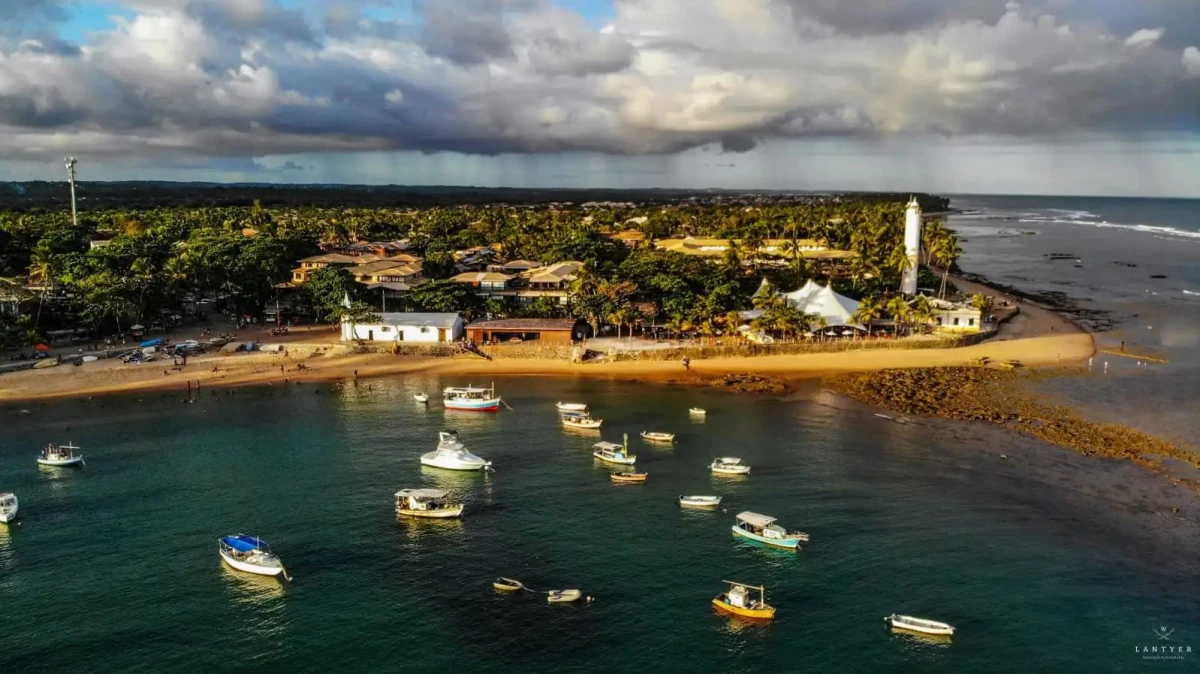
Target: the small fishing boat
(507, 584)
(611, 452)
(8, 507)
(452, 455)
(921, 625)
(471, 398)
(651, 436)
(699, 501)
(697, 411)
(563, 596)
(250, 554)
(628, 478)
(571, 407)
(739, 600)
(763, 529)
(580, 420)
(421, 397)
(88, 359)
(729, 465)
(427, 503)
(60, 455)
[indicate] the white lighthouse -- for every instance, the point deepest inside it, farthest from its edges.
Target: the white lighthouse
(912, 247)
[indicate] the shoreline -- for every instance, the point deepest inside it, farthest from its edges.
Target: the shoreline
(1036, 337)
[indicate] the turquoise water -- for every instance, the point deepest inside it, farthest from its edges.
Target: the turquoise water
(115, 566)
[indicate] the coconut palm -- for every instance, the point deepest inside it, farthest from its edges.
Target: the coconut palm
(870, 309)
(922, 311)
(898, 309)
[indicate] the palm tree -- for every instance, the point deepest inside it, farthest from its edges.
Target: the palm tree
(898, 309)
(945, 254)
(922, 311)
(870, 309)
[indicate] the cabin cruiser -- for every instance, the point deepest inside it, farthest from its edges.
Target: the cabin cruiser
(60, 455)
(763, 529)
(433, 503)
(452, 455)
(8, 507)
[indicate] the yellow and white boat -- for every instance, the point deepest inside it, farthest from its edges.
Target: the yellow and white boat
(739, 601)
(427, 503)
(611, 452)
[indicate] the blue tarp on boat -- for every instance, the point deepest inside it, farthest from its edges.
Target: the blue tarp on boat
(157, 341)
(244, 543)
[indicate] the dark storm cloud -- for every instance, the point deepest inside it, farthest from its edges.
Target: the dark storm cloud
(265, 17)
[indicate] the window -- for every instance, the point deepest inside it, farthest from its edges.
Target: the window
(971, 321)
(384, 328)
(956, 320)
(939, 320)
(424, 329)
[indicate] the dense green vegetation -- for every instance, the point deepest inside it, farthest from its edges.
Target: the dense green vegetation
(158, 260)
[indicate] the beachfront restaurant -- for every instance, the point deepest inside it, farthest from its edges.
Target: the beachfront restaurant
(408, 327)
(551, 330)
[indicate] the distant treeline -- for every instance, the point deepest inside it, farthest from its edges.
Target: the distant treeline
(134, 195)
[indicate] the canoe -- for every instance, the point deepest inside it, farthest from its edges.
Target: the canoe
(699, 501)
(651, 436)
(625, 478)
(563, 596)
(921, 625)
(507, 584)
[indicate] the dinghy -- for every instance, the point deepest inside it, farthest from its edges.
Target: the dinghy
(563, 596)
(8, 507)
(651, 436)
(729, 465)
(697, 412)
(421, 397)
(921, 625)
(60, 456)
(699, 501)
(571, 407)
(739, 600)
(628, 478)
(763, 529)
(507, 584)
(250, 554)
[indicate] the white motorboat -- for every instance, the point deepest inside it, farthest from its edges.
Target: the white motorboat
(729, 465)
(611, 452)
(421, 397)
(651, 436)
(907, 622)
(699, 501)
(763, 529)
(580, 420)
(8, 507)
(250, 554)
(60, 455)
(571, 407)
(697, 412)
(433, 503)
(452, 455)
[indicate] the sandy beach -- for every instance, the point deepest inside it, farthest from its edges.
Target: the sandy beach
(1035, 337)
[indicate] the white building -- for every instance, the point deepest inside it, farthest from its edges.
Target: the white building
(416, 328)
(955, 317)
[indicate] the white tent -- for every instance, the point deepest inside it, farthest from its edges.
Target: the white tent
(800, 298)
(821, 300)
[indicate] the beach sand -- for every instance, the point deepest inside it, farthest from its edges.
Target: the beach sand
(1035, 337)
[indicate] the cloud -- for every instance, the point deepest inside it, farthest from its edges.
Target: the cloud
(234, 78)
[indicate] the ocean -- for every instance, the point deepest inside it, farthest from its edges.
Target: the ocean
(1043, 559)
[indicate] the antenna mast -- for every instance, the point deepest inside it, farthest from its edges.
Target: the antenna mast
(70, 162)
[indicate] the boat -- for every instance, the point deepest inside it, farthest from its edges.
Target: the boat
(452, 455)
(729, 465)
(697, 411)
(921, 625)
(60, 455)
(421, 397)
(507, 584)
(250, 554)
(563, 596)
(471, 398)
(611, 452)
(698, 501)
(571, 407)
(763, 529)
(8, 507)
(739, 600)
(578, 420)
(427, 503)
(651, 436)
(628, 478)
(88, 359)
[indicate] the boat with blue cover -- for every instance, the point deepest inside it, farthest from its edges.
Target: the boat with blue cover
(250, 554)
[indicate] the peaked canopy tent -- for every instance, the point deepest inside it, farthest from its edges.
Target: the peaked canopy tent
(812, 298)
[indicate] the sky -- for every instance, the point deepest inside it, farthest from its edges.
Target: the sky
(956, 96)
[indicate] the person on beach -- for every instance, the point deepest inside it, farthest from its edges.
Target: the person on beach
(687, 363)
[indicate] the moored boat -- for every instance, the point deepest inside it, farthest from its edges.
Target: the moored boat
(611, 452)
(507, 584)
(763, 529)
(580, 420)
(921, 625)
(571, 407)
(697, 411)
(421, 397)
(452, 455)
(628, 478)
(60, 455)
(729, 465)
(651, 436)
(250, 554)
(739, 600)
(699, 501)
(471, 398)
(433, 503)
(563, 596)
(8, 507)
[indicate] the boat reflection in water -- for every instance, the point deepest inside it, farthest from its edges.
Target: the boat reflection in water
(249, 588)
